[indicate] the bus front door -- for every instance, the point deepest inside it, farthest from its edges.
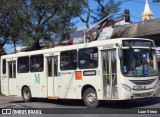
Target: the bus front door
(52, 72)
(109, 66)
(12, 77)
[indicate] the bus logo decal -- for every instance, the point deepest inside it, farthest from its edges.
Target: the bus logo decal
(37, 79)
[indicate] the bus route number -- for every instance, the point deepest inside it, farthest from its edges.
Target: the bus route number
(108, 46)
(51, 54)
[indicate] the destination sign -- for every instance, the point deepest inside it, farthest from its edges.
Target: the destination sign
(137, 43)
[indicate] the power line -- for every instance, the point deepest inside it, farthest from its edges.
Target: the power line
(123, 1)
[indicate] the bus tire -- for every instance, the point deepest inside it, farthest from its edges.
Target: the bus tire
(90, 98)
(26, 94)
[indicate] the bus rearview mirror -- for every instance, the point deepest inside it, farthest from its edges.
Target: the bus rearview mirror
(120, 53)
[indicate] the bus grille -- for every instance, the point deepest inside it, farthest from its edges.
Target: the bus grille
(143, 82)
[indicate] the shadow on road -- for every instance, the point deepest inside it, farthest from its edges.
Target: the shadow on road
(103, 104)
(130, 103)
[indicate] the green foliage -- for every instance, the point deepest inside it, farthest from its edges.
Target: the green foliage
(2, 51)
(46, 19)
(105, 9)
(9, 27)
(35, 22)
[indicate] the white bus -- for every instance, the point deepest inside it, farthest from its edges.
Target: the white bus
(115, 69)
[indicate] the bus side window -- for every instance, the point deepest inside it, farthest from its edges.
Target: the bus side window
(50, 67)
(69, 60)
(88, 58)
(49, 63)
(23, 64)
(10, 70)
(4, 66)
(36, 63)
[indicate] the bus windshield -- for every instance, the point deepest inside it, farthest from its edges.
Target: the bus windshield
(138, 62)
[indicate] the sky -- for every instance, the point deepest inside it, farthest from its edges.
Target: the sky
(136, 8)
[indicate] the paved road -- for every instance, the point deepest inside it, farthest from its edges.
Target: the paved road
(70, 105)
(17, 102)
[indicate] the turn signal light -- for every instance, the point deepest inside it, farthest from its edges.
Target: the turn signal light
(78, 75)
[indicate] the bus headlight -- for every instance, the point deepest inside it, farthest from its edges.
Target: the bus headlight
(128, 88)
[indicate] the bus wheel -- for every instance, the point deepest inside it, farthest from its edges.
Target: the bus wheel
(26, 94)
(90, 98)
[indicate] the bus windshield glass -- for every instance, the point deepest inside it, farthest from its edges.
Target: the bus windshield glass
(138, 62)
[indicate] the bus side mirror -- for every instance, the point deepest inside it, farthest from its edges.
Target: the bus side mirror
(120, 53)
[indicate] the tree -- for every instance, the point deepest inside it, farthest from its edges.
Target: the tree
(42, 20)
(4, 26)
(2, 51)
(35, 22)
(86, 9)
(102, 11)
(64, 24)
(64, 28)
(33, 16)
(9, 28)
(105, 9)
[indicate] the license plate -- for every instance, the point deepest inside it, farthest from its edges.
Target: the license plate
(139, 87)
(144, 94)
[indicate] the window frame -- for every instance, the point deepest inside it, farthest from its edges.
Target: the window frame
(80, 59)
(34, 63)
(4, 68)
(73, 59)
(28, 64)
(48, 72)
(51, 60)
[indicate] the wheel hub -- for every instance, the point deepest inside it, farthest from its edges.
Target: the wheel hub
(26, 94)
(91, 97)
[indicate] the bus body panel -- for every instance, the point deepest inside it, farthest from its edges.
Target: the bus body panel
(151, 89)
(35, 81)
(70, 88)
(4, 85)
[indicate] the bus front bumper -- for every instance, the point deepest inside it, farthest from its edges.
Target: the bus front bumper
(138, 94)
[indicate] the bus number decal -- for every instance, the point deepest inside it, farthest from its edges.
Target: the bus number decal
(37, 79)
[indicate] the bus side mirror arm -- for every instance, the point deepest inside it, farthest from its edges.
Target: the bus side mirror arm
(120, 53)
